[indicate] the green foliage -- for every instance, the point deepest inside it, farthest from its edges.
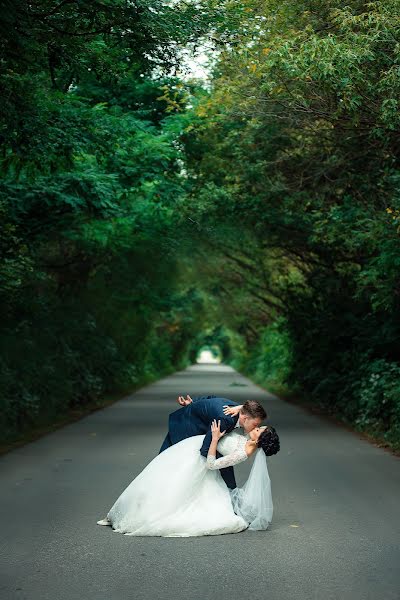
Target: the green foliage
(296, 141)
(269, 361)
(144, 216)
(91, 171)
(377, 395)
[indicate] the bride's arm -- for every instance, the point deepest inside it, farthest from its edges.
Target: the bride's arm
(213, 463)
(188, 400)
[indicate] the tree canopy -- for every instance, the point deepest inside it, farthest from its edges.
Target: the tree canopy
(145, 213)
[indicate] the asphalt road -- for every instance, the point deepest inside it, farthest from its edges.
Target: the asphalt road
(334, 535)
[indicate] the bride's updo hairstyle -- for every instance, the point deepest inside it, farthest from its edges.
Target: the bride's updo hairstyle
(269, 441)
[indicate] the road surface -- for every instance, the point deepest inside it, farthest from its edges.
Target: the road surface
(334, 535)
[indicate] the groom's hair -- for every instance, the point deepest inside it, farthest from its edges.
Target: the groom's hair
(254, 409)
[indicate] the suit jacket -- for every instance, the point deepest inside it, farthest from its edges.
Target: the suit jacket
(196, 419)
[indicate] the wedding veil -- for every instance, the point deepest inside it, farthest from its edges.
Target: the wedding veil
(253, 502)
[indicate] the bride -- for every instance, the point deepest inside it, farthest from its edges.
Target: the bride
(182, 494)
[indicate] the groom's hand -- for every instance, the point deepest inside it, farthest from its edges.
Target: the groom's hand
(232, 410)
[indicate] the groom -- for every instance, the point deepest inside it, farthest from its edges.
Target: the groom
(195, 418)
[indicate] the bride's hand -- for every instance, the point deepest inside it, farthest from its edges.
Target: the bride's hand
(232, 410)
(184, 402)
(216, 431)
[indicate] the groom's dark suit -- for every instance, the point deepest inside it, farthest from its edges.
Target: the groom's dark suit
(196, 419)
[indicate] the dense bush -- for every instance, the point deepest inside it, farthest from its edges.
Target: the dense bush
(296, 144)
(144, 215)
(90, 169)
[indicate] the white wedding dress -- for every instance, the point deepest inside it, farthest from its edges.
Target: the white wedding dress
(180, 493)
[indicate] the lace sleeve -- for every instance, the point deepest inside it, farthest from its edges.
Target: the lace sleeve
(238, 456)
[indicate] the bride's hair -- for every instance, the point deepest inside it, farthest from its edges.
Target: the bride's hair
(254, 409)
(269, 441)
